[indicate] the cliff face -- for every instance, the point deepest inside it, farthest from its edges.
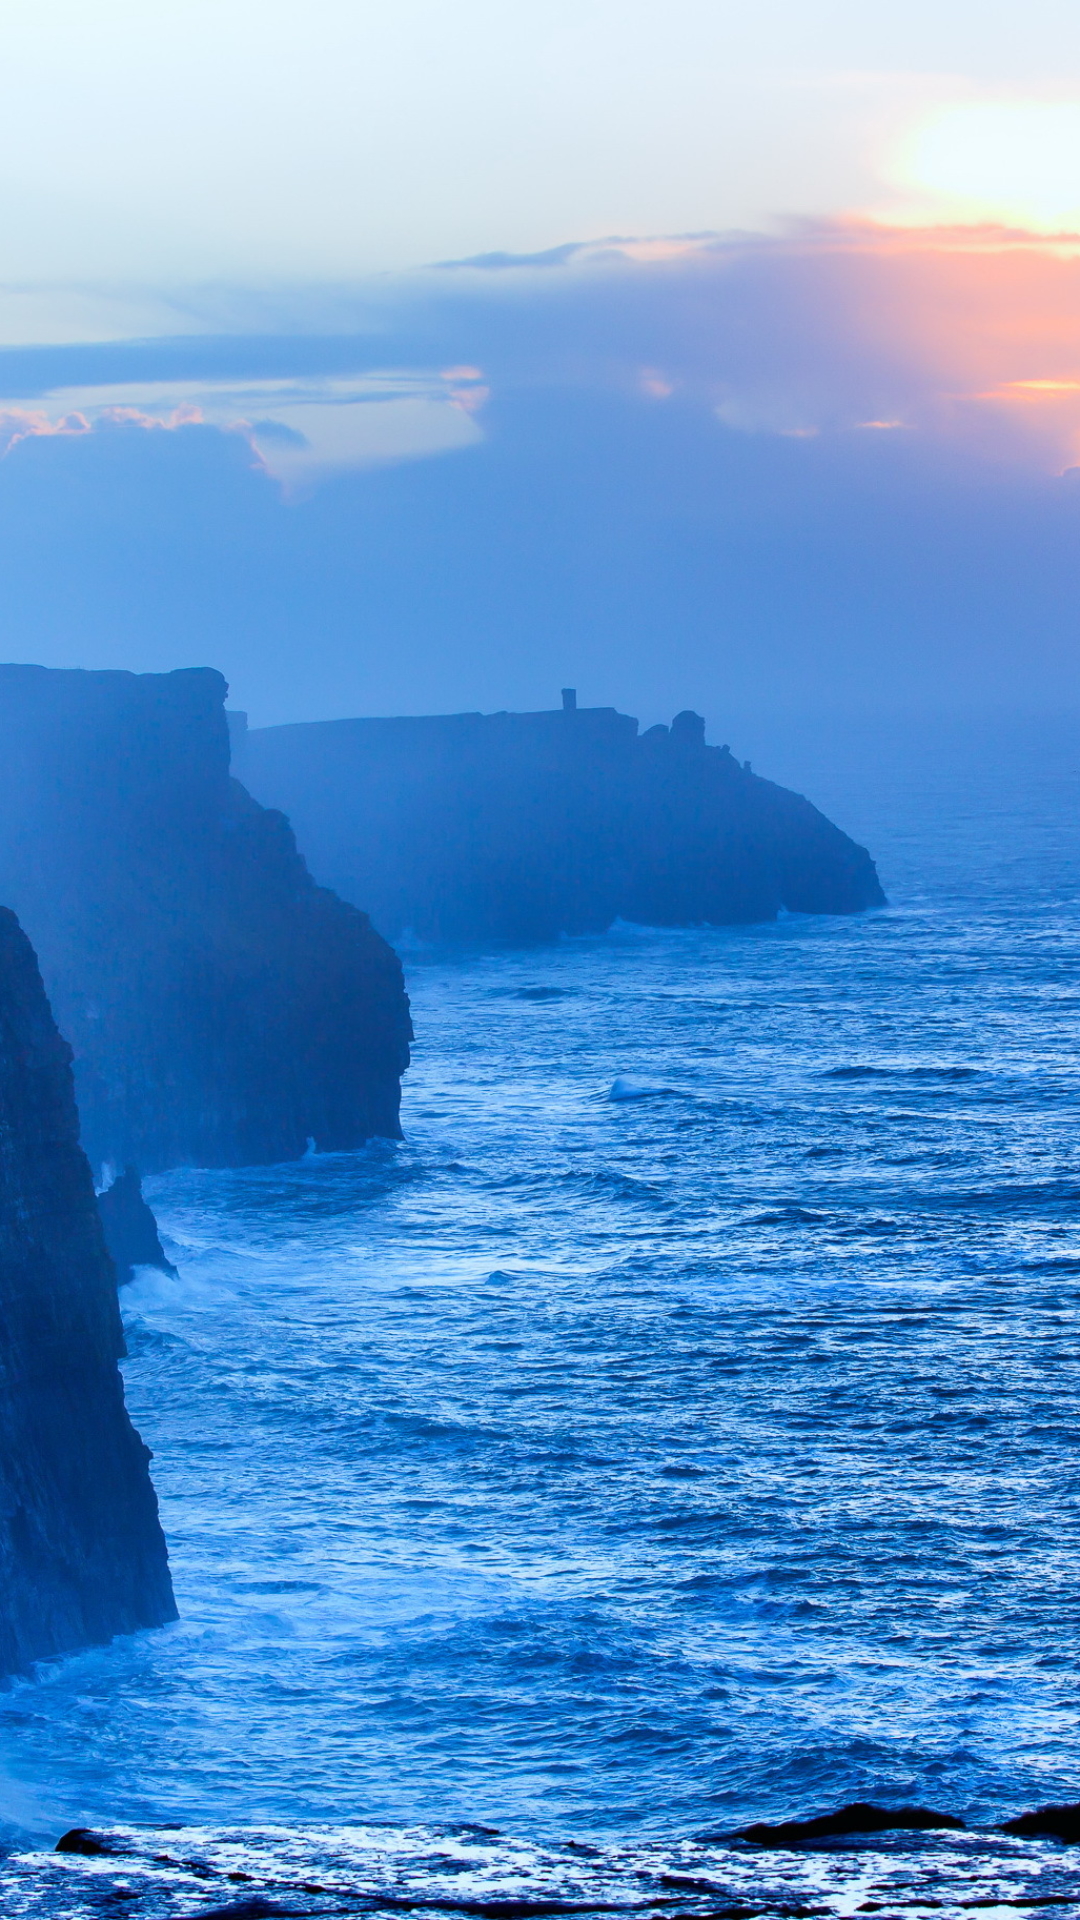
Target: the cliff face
(82, 1556)
(223, 1009)
(474, 827)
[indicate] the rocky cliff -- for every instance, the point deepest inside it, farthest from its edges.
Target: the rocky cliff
(82, 1556)
(491, 827)
(223, 1009)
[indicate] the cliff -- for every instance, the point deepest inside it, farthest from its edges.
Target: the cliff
(223, 1009)
(82, 1556)
(518, 827)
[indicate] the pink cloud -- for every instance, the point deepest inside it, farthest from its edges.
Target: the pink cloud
(968, 332)
(18, 423)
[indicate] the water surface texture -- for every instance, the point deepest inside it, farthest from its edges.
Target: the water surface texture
(635, 1466)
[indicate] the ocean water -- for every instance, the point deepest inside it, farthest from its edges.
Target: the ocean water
(679, 1429)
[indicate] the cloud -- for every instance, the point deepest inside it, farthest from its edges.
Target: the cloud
(550, 257)
(969, 333)
(21, 423)
(317, 427)
(822, 469)
(949, 331)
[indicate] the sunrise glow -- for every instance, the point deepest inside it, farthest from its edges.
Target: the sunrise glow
(1015, 161)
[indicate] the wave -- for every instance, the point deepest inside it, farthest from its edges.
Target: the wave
(625, 1087)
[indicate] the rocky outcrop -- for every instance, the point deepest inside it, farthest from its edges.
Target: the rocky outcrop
(131, 1232)
(1060, 1822)
(82, 1556)
(518, 827)
(223, 1009)
(858, 1817)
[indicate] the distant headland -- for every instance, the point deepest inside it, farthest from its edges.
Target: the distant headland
(517, 827)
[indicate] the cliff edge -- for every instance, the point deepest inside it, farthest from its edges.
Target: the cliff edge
(223, 1009)
(82, 1556)
(522, 826)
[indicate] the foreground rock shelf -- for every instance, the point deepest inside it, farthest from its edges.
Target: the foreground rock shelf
(165, 1873)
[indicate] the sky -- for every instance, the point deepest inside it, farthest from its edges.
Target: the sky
(427, 357)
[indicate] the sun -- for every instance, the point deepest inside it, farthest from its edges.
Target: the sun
(1013, 161)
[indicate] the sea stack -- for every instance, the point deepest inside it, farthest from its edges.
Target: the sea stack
(82, 1555)
(520, 826)
(131, 1232)
(223, 1009)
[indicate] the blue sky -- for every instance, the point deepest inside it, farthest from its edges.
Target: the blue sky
(800, 434)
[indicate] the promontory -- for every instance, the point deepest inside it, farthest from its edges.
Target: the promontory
(517, 827)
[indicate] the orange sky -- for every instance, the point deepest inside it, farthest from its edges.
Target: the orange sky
(988, 319)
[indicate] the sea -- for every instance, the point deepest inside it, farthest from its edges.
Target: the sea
(679, 1429)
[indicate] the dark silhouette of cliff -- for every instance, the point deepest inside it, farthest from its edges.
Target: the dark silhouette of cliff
(518, 827)
(131, 1232)
(82, 1556)
(223, 1009)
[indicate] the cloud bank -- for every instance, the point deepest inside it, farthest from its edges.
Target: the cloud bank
(828, 471)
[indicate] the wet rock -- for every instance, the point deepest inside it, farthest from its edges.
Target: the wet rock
(131, 1232)
(255, 1907)
(861, 1816)
(84, 1840)
(1051, 1823)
